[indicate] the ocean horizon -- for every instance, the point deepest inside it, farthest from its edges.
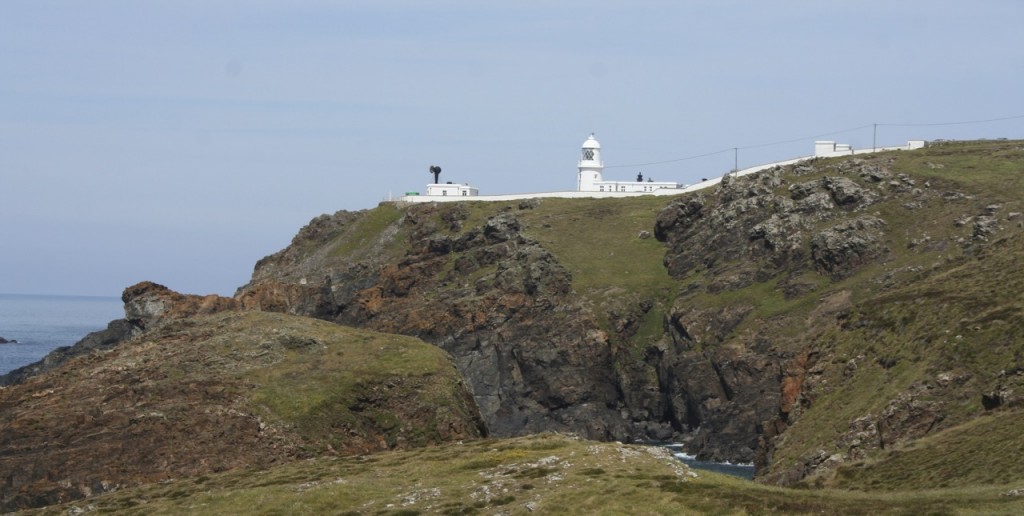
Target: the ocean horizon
(42, 322)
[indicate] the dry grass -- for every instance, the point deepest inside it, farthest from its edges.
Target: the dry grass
(544, 474)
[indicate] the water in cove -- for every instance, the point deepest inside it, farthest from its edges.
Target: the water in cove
(42, 323)
(745, 471)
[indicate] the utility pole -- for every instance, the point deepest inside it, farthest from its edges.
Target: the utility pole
(735, 159)
(874, 138)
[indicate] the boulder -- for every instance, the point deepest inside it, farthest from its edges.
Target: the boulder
(148, 304)
(842, 249)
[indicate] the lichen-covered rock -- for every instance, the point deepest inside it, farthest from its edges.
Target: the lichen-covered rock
(842, 249)
(846, 192)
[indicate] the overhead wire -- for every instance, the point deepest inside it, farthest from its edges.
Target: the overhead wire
(794, 140)
(955, 123)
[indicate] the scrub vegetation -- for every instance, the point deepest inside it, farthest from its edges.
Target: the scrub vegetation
(540, 474)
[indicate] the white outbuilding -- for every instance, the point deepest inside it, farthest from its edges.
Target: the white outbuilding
(452, 189)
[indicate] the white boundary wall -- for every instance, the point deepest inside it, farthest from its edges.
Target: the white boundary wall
(415, 199)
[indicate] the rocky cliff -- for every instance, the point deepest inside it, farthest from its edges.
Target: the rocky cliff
(495, 299)
(837, 285)
(724, 332)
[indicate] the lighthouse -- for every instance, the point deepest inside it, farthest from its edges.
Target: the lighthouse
(590, 166)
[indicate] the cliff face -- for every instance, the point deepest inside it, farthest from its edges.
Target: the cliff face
(496, 300)
(726, 332)
(839, 290)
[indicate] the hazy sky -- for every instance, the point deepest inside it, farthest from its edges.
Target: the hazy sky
(181, 141)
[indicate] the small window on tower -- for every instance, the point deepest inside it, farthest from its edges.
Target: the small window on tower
(588, 154)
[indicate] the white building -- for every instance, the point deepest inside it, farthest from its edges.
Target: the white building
(591, 175)
(830, 149)
(452, 189)
(589, 183)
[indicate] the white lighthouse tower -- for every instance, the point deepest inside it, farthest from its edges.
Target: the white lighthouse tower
(591, 167)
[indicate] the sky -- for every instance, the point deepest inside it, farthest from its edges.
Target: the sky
(181, 141)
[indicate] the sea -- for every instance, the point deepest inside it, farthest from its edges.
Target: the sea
(42, 323)
(744, 471)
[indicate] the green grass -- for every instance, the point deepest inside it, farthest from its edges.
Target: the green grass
(360, 382)
(983, 451)
(612, 268)
(597, 240)
(369, 234)
(338, 384)
(545, 474)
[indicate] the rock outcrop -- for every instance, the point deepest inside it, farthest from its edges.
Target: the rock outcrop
(497, 301)
(147, 305)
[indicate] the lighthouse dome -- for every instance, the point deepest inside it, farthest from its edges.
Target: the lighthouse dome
(591, 143)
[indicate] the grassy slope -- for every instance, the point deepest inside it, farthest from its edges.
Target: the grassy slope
(543, 474)
(316, 388)
(220, 392)
(939, 312)
(307, 374)
(983, 451)
(611, 266)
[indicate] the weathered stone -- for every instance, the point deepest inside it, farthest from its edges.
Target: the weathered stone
(875, 174)
(798, 191)
(816, 204)
(148, 304)
(501, 228)
(984, 226)
(529, 204)
(842, 249)
(845, 192)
